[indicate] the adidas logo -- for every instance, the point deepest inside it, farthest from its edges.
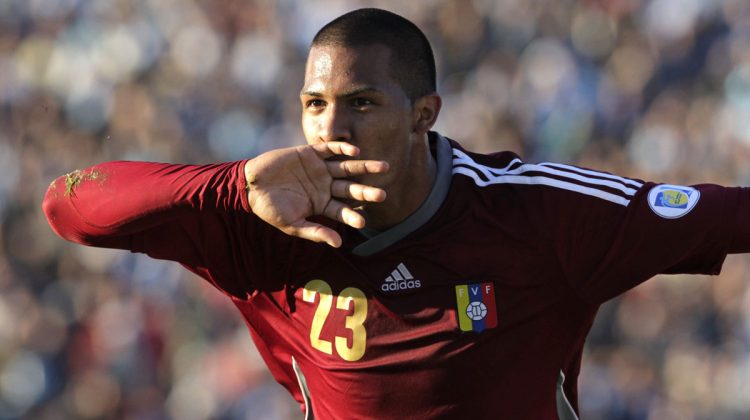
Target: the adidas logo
(400, 279)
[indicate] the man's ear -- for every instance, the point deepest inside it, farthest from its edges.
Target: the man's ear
(426, 110)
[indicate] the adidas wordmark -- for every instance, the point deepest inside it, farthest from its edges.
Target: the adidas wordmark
(400, 279)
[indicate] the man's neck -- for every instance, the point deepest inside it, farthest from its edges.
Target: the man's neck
(408, 195)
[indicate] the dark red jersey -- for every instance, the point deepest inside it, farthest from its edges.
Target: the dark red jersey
(475, 306)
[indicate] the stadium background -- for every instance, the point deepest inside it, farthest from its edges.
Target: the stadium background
(656, 89)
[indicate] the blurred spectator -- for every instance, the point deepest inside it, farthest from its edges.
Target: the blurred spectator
(656, 89)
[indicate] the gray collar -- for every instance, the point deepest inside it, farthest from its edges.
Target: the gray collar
(377, 241)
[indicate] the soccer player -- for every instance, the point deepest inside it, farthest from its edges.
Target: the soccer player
(384, 271)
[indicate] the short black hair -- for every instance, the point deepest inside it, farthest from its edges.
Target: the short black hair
(412, 62)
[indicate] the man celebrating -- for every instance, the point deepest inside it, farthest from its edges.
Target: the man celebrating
(384, 271)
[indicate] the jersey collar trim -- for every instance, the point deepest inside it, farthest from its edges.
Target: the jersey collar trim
(428, 209)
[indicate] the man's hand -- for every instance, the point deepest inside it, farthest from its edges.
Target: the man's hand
(286, 186)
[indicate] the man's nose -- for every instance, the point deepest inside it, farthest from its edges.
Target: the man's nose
(334, 125)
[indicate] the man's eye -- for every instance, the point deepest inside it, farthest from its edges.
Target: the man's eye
(314, 103)
(361, 102)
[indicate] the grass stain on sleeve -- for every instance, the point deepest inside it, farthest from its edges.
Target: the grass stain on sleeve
(74, 179)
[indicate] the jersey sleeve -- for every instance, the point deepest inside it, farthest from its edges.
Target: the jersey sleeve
(196, 215)
(609, 234)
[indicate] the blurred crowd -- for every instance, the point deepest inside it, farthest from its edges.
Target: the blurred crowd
(654, 89)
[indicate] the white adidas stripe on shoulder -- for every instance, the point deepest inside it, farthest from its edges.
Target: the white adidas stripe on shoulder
(461, 157)
(528, 167)
(628, 181)
(540, 180)
(519, 175)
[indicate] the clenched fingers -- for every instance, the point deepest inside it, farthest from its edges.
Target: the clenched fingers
(348, 168)
(359, 192)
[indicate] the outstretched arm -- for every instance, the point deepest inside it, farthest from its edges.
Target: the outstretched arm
(107, 204)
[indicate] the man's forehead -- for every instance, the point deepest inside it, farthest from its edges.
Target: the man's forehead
(321, 64)
(374, 48)
(326, 60)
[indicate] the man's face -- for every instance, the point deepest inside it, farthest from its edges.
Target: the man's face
(349, 95)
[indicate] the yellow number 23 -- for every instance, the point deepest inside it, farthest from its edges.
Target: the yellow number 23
(354, 322)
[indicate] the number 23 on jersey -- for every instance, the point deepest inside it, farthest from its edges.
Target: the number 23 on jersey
(350, 298)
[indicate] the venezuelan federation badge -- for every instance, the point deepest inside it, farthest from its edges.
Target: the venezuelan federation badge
(475, 304)
(672, 201)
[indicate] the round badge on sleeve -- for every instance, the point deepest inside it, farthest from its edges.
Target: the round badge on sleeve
(672, 201)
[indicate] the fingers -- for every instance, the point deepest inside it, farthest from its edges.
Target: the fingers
(348, 168)
(335, 148)
(359, 192)
(316, 233)
(337, 210)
